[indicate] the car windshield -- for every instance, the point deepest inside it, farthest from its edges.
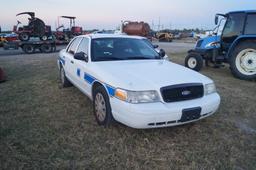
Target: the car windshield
(108, 49)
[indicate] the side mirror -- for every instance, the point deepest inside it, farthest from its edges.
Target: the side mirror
(216, 20)
(161, 53)
(155, 46)
(81, 56)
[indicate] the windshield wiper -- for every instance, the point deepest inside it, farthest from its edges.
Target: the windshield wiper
(109, 59)
(142, 58)
(137, 58)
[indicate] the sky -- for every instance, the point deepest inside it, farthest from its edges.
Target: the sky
(108, 14)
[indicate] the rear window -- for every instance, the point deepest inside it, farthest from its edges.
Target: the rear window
(250, 24)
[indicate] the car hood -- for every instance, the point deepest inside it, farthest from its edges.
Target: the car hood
(146, 74)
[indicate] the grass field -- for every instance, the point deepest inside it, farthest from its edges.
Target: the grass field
(45, 127)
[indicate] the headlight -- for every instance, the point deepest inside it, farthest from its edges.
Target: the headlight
(209, 88)
(212, 44)
(137, 96)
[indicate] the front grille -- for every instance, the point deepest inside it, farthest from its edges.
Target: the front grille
(182, 92)
(199, 43)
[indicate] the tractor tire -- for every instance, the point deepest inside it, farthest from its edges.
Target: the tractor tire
(46, 48)
(44, 38)
(24, 36)
(243, 61)
(194, 61)
(28, 48)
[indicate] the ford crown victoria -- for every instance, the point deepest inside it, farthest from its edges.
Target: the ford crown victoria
(130, 82)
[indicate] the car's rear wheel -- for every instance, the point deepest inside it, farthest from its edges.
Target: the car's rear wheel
(101, 107)
(243, 61)
(64, 81)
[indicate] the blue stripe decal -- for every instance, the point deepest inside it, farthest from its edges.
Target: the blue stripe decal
(62, 60)
(78, 72)
(89, 78)
(111, 90)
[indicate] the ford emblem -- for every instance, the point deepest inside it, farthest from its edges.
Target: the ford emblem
(186, 93)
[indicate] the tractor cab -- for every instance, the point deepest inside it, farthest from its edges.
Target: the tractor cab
(238, 23)
(235, 45)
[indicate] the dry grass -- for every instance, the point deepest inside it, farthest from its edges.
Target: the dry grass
(45, 127)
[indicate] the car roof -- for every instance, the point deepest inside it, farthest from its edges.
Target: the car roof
(95, 36)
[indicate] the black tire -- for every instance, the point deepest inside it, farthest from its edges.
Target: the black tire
(63, 79)
(194, 61)
(107, 119)
(237, 68)
(28, 48)
(24, 36)
(46, 48)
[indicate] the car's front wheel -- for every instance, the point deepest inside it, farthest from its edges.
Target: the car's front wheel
(101, 107)
(64, 81)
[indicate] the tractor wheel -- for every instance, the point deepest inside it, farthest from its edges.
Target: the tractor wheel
(46, 48)
(44, 38)
(243, 61)
(28, 48)
(24, 36)
(194, 61)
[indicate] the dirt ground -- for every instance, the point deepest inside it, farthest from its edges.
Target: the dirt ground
(45, 127)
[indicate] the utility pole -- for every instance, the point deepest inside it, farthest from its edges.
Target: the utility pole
(153, 25)
(159, 24)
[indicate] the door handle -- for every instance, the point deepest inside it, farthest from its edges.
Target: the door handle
(72, 61)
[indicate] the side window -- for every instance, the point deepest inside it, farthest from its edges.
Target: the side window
(250, 27)
(84, 46)
(234, 25)
(73, 46)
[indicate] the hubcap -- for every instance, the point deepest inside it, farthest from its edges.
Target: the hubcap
(192, 62)
(44, 38)
(24, 36)
(246, 62)
(100, 107)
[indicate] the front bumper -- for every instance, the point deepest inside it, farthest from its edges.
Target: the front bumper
(154, 115)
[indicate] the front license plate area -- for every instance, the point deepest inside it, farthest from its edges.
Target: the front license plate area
(190, 114)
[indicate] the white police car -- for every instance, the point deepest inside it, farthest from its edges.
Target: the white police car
(128, 81)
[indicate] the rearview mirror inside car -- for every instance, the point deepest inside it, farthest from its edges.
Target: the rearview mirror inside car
(81, 56)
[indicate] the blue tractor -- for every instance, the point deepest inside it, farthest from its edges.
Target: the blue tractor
(236, 45)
